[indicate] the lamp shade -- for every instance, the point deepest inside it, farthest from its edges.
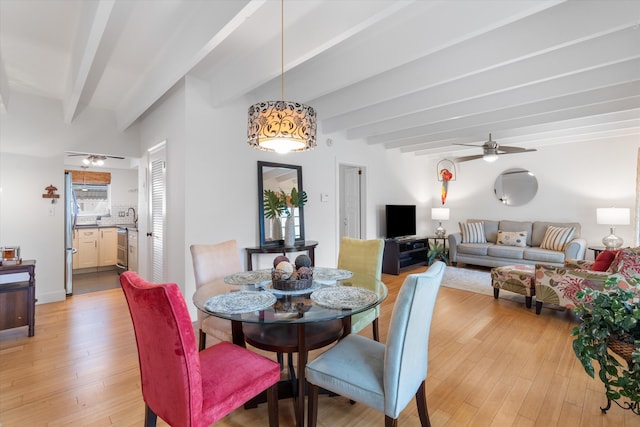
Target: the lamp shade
(281, 126)
(440, 214)
(613, 216)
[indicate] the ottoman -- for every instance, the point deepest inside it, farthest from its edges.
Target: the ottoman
(514, 278)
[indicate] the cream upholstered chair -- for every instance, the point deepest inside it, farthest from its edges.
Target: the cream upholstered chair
(363, 257)
(211, 262)
(384, 377)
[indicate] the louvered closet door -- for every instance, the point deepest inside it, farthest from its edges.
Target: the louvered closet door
(157, 208)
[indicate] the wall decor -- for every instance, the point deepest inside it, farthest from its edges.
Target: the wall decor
(515, 187)
(446, 172)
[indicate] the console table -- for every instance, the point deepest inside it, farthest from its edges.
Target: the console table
(18, 299)
(308, 246)
(401, 254)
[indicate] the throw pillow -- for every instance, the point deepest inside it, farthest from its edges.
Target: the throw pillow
(603, 260)
(512, 238)
(626, 262)
(472, 232)
(556, 238)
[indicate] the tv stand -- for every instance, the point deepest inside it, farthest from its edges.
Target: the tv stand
(404, 253)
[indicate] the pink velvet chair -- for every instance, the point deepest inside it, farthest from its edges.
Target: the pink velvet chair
(182, 386)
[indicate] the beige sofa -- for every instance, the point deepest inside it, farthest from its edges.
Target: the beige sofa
(491, 254)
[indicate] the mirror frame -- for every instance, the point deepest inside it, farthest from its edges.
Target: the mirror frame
(524, 195)
(261, 219)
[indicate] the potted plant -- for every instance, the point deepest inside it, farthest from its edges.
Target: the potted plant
(438, 251)
(611, 321)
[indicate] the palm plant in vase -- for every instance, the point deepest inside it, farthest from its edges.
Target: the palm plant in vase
(274, 208)
(296, 199)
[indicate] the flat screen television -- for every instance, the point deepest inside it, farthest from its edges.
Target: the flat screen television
(400, 220)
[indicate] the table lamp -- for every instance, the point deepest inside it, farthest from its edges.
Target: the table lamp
(611, 217)
(440, 214)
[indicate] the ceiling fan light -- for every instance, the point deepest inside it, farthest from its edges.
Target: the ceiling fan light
(281, 126)
(491, 157)
(86, 161)
(98, 162)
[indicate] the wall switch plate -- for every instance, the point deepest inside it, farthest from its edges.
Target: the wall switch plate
(324, 197)
(121, 214)
(52, 210)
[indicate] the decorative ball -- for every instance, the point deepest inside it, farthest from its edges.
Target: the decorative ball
(303, 260)
(279, 259)
(285, 269)
(305, 272)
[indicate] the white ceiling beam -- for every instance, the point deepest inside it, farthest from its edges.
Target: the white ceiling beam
(513, 42)
(631, 103)
(523, 109)
(215, 22)
(93, 23)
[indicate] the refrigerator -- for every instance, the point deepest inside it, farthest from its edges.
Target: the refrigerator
(70, 221)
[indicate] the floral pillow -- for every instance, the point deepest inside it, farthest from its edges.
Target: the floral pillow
(512, 238)
(627, 263)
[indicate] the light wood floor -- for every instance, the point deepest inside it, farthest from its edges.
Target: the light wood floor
(491, 363)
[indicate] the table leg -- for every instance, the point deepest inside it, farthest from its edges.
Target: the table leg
(237, 334)
(302, 363)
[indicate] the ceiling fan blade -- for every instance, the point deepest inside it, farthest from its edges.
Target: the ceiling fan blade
(509, 149)
(467, 158)
(523, 150)
(115, 157)
(470, 145)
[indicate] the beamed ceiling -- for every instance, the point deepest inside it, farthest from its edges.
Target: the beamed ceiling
(414, 76)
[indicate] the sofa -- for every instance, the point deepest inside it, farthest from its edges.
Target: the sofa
(559, 285)
(492, 243)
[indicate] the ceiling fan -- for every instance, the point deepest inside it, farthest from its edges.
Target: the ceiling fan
(491, 150)
(93, 159)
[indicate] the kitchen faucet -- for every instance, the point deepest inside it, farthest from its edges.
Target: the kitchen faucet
(135, 218)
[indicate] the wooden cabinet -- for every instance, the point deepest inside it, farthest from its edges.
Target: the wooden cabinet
(88, 247)
(108, 247)
(402, 254)
(18, 298)
(97, 247)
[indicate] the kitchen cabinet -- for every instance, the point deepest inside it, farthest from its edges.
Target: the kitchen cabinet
(132, 256)
(108, 247)
(97, 247)
(87, 247)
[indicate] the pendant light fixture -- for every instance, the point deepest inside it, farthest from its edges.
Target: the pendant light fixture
(281, 126)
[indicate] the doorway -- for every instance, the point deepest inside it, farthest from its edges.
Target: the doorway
(352, 184)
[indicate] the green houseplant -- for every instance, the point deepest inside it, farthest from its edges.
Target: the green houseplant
(438, 251)
(611, 319)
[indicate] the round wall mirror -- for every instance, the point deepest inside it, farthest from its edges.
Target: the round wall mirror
(515, 187)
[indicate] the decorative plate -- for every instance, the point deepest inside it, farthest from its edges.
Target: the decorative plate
(240, 302)
(341, 297)
(248, 277)
(323, 273)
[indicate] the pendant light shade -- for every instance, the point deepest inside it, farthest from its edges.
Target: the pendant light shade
(281, 126)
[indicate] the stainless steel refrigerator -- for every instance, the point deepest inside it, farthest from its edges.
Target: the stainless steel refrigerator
(70, 220)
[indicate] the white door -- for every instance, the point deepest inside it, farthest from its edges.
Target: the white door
(351, 201)
(157, 208)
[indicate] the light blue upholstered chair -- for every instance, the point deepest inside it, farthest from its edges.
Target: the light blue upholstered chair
(384, 377)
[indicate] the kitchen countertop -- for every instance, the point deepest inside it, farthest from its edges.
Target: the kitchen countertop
(130, 227)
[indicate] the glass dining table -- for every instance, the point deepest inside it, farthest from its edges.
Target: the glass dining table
(249, 297)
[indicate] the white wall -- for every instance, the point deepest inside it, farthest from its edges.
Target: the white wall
(573, 180)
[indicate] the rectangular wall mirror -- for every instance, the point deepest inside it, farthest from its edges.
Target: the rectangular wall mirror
(278, 177)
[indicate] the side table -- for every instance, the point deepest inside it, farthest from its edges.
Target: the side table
(18, 299)
(309, 246)
(596, 250)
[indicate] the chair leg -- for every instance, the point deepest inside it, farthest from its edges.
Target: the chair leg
(202, 340)
(527, 301)
(421, 402)
(272, 405)
(150, 417)
(538, 306)
(312, 397)
(496, 292)
(390, 422)
(376, 330)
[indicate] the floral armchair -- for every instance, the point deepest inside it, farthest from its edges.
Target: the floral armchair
(559, 285)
